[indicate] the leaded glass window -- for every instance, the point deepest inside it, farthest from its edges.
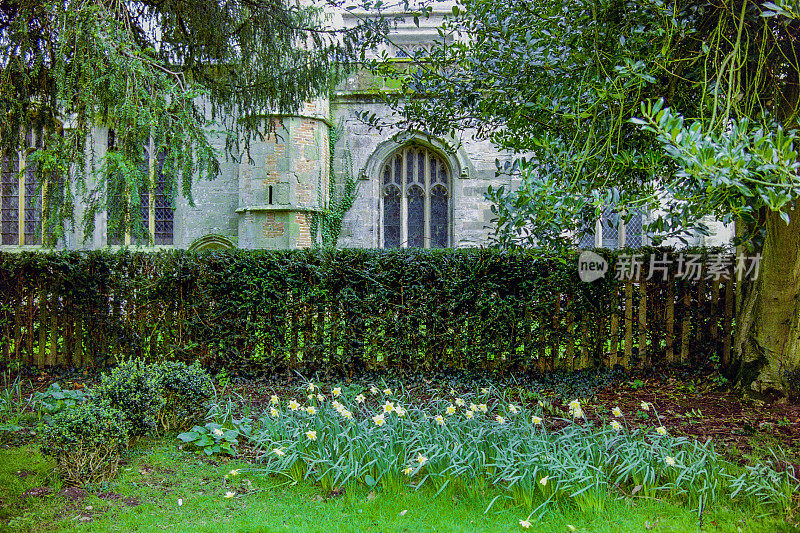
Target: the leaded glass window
(415, 199)
(154, 211)
(21, 210)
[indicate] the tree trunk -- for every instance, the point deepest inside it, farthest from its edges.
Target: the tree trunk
(768, 319)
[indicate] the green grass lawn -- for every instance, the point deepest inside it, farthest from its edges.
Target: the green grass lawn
(145, 496)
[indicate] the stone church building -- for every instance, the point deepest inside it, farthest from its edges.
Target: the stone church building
(412, 191)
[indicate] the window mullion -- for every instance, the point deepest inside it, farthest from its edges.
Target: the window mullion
(427, 198)
(151, 193)
(21, 198)
(404, 200)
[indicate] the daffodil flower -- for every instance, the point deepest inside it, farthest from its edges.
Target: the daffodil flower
(337, 391)
(230, 494)
(483, 408)
(421, 459)
(218, 432)
(536, 420)
(617, 412)
(373, 390)
(450, 409)
(645, 406)
(311, 435)
(439, 419)
(469, 415)
(661, 430)
(347, 414)
(500, 420)
(473, 407)
(526, 524)
(669, 460)
(274, 412)
(484, 390)
(459, 402)
(311, 410)
(360, 398)
(387, 392)
(543, 481)
(320, 398)
(513, 408)
(311, 387)
(274, 400)
(379, 420)
(400, 411)
(616, 425)
(388, 407)
(407, 470)
(279, 452)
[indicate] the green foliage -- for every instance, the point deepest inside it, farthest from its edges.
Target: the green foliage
(212, 438)
(55, 399)
(12, 405)
(86, 441)
(337, 311)
(328, 221)
(559, 80)
(186, 389)
(135, 391)
(470, 442)
(174, 74)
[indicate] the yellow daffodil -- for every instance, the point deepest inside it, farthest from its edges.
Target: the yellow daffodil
(616, 425)
(311, 435)
(525, 524)
(274, 412)
(360, 398)
(543, 481)
(400, 411)
(439, 419)
(500, 420)
(347, 414)
(311, 410)
(669, 460)
(320, 398)
(473, 407)
(407, 470)
(450, 409)
(378, 420)
(536, 420)
(274, 400)
(230, 494)
(459, 402)
(311, 387)
(483, 407)
(645, 406)
(387, 392)
(575, 409)
(513, 409)
(337, 391)
(616, 412)
(421, 459)
(279, 452)
(373, 390)
(388, 407)
(661, 430)
(336, 405)
(469, 414)
(234, 472)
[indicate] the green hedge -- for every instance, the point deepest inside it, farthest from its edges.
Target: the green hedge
(348, 310)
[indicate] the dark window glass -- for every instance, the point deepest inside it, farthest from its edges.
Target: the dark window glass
(391, 217)
(416, 217)
(439, 217)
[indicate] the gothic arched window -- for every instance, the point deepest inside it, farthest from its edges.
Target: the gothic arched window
(415, 199)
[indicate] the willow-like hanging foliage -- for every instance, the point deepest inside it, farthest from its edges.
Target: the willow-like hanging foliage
(162, 75)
